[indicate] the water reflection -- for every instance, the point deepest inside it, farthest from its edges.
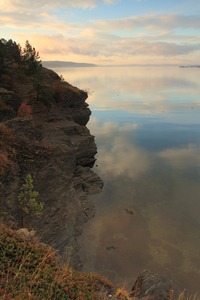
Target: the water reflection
(139, 90)
(161, 192)
(147, 128)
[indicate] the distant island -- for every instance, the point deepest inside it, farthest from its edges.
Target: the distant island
(69, 64)
(192, 66)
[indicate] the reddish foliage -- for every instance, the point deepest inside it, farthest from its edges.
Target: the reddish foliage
(24, 111)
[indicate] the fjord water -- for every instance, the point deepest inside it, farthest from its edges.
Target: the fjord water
(146, 122)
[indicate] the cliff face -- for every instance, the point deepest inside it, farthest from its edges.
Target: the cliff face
(56, 148)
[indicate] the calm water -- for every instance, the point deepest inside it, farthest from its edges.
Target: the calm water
(147, 127)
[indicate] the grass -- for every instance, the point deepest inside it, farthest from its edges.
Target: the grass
(30, 270)
(183, 296)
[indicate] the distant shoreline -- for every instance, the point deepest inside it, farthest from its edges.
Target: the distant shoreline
(195, 66)
(68, 64)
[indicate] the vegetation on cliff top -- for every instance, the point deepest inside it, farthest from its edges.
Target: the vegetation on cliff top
(26, 84)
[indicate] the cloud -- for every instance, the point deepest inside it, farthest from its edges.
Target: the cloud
(111, 1)
(18, 20)
(24, 5)
(146, 38)
(94, 46)
(123, 157)
(37, 5)
(107, 39)
(183, 158)
(108, 129)
(152, 21)
(139, 47)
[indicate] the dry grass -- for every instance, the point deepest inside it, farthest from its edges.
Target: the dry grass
(30, 270)
(4, 162)
(184, 296)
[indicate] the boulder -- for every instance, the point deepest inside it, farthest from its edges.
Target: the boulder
(152, 287)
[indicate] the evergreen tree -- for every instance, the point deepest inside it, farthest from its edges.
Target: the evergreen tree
(13, 51)
(10, 53)
(31, 58)
(2, 54)
(27, 200)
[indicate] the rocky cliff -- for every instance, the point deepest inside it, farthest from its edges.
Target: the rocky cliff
(51, 142)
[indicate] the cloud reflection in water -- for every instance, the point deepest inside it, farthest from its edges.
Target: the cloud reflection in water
(146, 123)
(162, 233)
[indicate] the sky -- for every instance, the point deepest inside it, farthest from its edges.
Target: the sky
(106, 32)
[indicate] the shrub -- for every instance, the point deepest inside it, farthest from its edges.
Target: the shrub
(29, 270)
(24, 111)
(27, 199)
(4, 162)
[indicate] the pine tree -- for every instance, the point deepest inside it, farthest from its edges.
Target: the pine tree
(10, 53)
(31, 58)
(27, 200)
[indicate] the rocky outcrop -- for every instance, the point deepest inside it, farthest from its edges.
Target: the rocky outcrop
(56, 148)
(152, 286)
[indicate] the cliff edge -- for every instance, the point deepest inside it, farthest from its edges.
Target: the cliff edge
(43, 133)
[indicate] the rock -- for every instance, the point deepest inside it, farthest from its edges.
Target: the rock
(26, 234)
(111, 248)
(152, 287)
(75, 103)
(58, 151)
(50, 74)
(129, 211)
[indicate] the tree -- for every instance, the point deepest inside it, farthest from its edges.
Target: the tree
(2, 55)
(13, 51)
(10, 53)
(38, 84)
(31, 58)
(27, 200)
(10, 50)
